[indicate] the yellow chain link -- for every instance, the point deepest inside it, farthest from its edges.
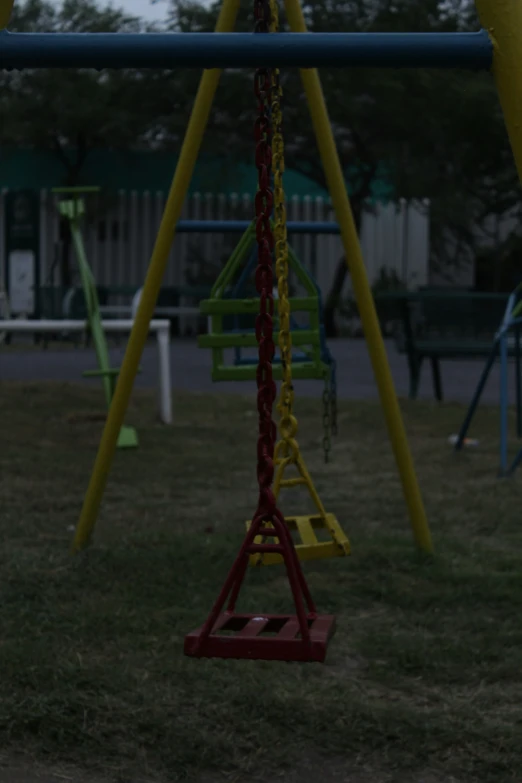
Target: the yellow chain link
(288, 423)
(287, 451)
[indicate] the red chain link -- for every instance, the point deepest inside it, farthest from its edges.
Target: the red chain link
(266, 387)
(267, 510)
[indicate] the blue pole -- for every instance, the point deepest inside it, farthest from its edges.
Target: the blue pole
(476, 397)
(240, 226)
(503, 403)
(245, 50)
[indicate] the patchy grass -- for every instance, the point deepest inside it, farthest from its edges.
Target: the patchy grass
(423, 679)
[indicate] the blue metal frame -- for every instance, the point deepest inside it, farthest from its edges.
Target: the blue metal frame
(477, 395)
(238, 292)
(246, 50)
(240, 226)
(500, 346)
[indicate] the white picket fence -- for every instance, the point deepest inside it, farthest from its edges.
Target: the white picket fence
(119, 237)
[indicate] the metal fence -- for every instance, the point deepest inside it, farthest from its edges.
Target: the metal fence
(119, 233)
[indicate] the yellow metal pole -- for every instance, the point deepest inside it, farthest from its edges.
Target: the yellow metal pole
(180, 184)
(361, 287)
(6, 7)
(503, 20)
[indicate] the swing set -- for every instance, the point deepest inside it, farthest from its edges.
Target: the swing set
(228, 301)
(510, 330)
(312, 363)
(305, 634)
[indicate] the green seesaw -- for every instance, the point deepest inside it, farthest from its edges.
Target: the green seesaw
(73, 209)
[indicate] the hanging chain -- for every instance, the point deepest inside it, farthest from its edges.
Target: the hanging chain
(330, 427)
(262, 18)
(288, 423)
(266, 387)
(333, 397)
(327, 444)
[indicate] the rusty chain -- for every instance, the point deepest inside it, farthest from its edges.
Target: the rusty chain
(264, 276)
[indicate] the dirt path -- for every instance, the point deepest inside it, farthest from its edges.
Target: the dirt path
(190, 369)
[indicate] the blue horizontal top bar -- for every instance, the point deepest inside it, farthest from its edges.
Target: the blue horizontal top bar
(240, 226)
(226, 50)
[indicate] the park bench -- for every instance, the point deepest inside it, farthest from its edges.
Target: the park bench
(437, 324)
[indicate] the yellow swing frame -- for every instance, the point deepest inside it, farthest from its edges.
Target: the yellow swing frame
(336, 185)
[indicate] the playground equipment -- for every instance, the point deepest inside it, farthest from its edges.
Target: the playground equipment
(303, 636)
(315, 362)
(510, 329)
(73, 209)
(240, 226)
(228, 300)
(287, 452)
(324, 363)
(472, 50)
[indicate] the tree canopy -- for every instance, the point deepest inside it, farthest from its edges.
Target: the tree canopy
(438, 134)
(73, 111)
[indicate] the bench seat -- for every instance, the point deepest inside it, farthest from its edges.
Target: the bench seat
(437, 325)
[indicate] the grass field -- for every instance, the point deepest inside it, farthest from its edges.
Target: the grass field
(423, 679)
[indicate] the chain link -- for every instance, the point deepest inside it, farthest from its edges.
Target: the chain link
(327, 444)
(330, 426)
(266, 386)
(333, 397)
(262, 17)
(288, 423)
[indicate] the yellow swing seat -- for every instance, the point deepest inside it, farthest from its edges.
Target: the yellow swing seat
(303, 528)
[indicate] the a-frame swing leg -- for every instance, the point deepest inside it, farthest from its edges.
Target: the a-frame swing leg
(158, 263)
(377, 350)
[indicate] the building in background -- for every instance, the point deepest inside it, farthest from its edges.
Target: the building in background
(123, 221)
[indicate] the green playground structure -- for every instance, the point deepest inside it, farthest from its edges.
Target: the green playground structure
(232, 316)
(312, 363)
(73, 209)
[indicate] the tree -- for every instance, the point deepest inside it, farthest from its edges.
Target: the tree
(435, 134)
(72, 112)
(439, 134)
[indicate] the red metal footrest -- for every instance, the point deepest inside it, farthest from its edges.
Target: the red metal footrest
(262, 637)
(230, 634)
